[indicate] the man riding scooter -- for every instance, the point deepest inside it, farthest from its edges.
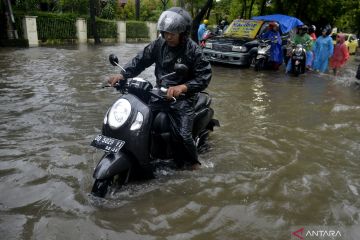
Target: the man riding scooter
(175, 46)
(272, 34)
(302, 37)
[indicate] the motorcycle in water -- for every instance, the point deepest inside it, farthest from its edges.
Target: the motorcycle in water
(263, 54)
(207, 34)
(298, 59)
(133, 136)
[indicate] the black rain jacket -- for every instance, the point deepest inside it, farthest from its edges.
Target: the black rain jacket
(165, 57)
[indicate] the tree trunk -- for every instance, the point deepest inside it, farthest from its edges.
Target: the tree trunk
(182, 3)
(93, 22)
(137, 9)
(301, 8)
(165, 2)
(251, 7)
(243, 11)
(205, 10)
(279, 6)
(262, 7)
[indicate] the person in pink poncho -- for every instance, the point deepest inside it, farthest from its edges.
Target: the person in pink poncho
(341, 54)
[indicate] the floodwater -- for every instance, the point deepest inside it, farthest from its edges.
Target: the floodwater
(286, 155)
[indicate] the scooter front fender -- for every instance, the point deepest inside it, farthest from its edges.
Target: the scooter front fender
(112, 164)
(260, 56)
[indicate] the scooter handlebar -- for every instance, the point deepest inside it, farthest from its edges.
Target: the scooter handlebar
(160, 93)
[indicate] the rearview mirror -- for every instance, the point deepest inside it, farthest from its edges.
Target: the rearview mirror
(113, 60)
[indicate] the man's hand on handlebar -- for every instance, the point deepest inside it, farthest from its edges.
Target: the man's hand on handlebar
(176, 91)
(113, 80)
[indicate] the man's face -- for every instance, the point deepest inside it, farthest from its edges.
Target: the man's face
(172, 39)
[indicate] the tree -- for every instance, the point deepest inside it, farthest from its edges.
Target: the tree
(93, 21)
(137, 9)
(205, 10)
(164, 2)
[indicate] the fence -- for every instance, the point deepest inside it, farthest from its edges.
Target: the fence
(43, 30)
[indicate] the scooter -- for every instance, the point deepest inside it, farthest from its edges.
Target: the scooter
(133, 136)
(298, 59)
(263, 54)
(207, 34)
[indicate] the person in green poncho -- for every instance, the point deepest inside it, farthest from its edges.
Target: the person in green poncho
(302, 37)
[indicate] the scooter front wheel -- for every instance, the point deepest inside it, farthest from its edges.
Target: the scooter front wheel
(259, 64)
(100, 187)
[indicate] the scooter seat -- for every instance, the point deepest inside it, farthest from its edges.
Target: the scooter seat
(203, 100)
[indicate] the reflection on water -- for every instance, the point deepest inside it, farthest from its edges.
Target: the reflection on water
(287, 154)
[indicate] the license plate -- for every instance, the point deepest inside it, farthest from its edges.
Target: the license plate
(107, 144)
(298, 57)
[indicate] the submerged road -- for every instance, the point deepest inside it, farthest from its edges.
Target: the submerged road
(286, 155)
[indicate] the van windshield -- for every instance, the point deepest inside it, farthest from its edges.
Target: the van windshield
(241, 28)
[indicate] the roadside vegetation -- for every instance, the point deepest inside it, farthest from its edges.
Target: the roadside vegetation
(343, 14)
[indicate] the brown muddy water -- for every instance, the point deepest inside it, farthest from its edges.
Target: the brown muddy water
(287, 155)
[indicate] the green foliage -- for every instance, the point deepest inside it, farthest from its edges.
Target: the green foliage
(50, 25)
(109, 11)
(55, 27)
(135, 29)
(344, 14)
(127, 12)
(150, 10)
(105, 28)
(27, 5)
(74, 6)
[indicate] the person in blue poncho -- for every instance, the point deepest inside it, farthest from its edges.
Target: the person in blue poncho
(202, 29)
(323, 50)
(276, 56)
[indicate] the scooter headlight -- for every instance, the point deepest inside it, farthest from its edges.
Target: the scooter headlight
(119, 113)
(264, 49)
(298, 50)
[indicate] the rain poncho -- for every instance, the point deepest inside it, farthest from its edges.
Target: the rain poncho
(341, 53)
(201, 31)
(275, 50)
(323, 50)
(307, 42)
(181, 114)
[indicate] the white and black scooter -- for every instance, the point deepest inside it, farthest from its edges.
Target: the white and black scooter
(132, 136)
(298, 59)
(263, 54)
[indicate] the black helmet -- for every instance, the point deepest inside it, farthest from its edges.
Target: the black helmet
(326, 29)
(174, 20)
(304, 28)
